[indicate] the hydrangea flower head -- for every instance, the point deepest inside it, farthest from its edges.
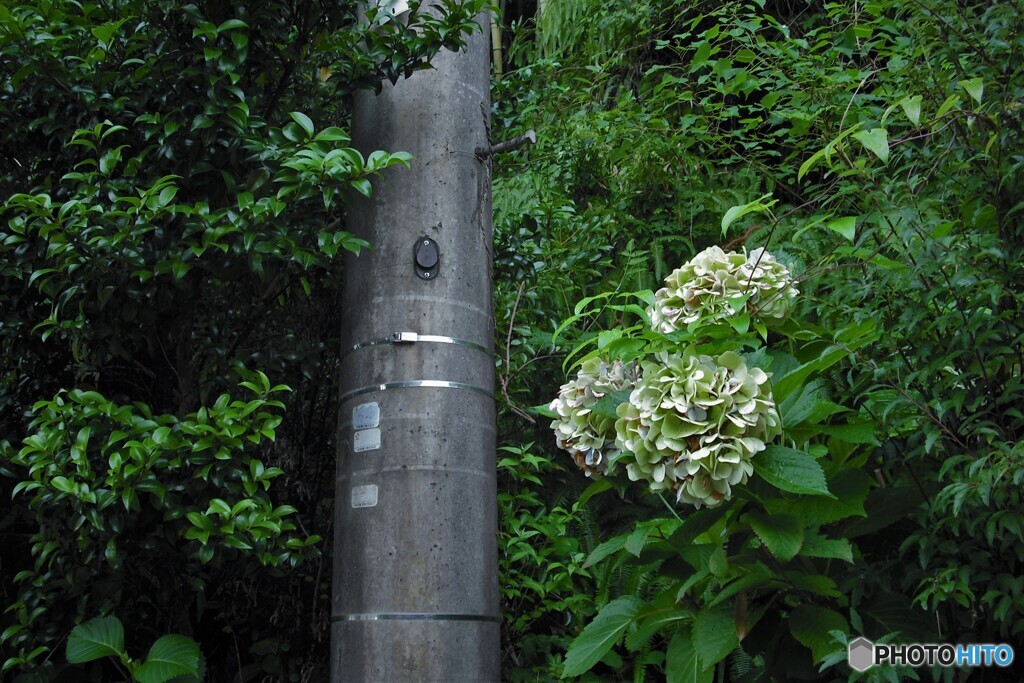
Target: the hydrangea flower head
(709, 285)
(588, 435)
(692, 424)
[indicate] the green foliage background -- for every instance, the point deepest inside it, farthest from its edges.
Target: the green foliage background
(876, 148)
(172, 177)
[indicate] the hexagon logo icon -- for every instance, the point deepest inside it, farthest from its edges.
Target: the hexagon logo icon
(861, 654)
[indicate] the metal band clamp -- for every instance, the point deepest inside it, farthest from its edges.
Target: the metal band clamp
(404, 337)
(431, 383)
(415, 616)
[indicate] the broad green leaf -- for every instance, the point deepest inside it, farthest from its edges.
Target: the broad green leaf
(585, 302)
(624, 347)
(333, 134)
(402, 158)
(304, 121)
(600, 635)
(741, 322)
(811, 160)
(912, 108)
(894, 613)
(703, 52)
(657, 616)
(160, 435)
(947, 105)
(695, 524)
(167, 195)
(220, 506)
(828, 548)
(95, 639)
(231, 24)
(885, 506)
(599, 486)
(698, 556)
(856, 432)
(757, 206)
(811, 624)
(646, 296)
(859, 334)
(681, 662)
(362, 186)
(785, 384)
(791, 470)
(104, 32)
(876, 141)
(714, 633)
(850, 489)
(782, 534)
(818, 584)
(606, 337)
(845, 226)
(610, 403)
(636, 541)
(825, 153)
(757, 577)
(612, 545)
(975, 87)
(62, 483)
(171, 656)
(807, 403)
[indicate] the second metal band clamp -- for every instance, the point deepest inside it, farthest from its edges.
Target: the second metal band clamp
(408, 384)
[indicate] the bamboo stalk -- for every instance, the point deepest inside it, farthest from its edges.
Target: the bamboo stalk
(497, 57)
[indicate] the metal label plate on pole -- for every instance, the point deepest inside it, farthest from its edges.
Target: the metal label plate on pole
(366, 415)
(364, 496)
(366, 440)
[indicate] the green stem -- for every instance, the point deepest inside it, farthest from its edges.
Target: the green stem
(670, 508)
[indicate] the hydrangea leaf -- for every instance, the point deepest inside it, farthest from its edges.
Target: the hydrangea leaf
(600, 635)
(681, 662)
(791, 470)
(171, 656)
(714, 633)
(95, 639)
(782, 534)
(829, 548)
(811, 624)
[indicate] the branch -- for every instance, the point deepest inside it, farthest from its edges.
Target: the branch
(529, 138)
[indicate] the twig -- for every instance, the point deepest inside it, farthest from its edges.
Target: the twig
(506, 375)
(528, 138)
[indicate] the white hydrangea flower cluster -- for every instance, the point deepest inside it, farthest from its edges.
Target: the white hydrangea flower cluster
(692, 424)
(589, 436)
(705, 286)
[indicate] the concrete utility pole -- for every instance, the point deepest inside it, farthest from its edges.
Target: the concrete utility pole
(415, 559)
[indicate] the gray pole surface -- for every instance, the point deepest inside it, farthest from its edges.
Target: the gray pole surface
(415, 551)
